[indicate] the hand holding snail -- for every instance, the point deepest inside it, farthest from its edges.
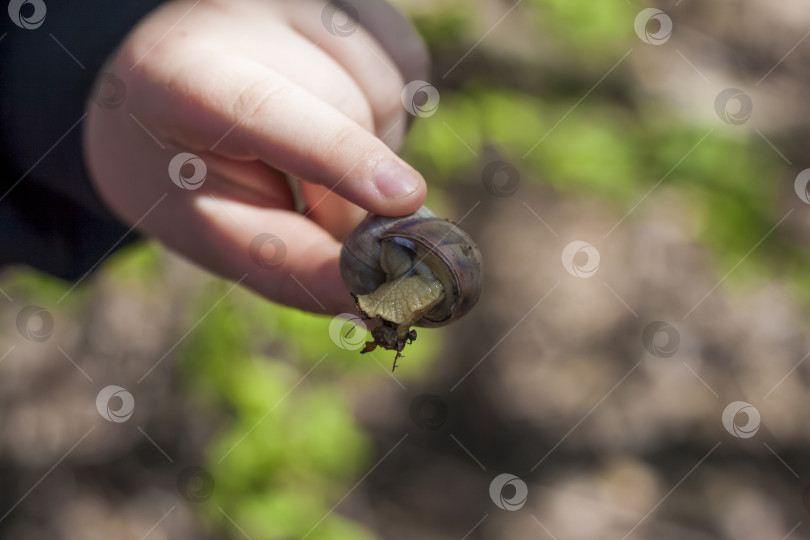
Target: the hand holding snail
(416, 270)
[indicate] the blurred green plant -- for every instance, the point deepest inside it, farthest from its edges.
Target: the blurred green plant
(616, 144)
(292, 447)
(271, 376)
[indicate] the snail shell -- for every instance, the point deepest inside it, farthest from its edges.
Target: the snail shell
(445, 248)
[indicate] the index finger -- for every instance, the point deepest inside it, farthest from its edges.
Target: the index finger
(271, 118)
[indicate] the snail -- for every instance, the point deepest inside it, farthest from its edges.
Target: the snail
(416, 270)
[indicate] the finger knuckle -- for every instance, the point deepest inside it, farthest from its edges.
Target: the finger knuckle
(256, 99)
(347, 141)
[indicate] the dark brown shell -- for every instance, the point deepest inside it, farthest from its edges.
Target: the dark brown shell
(448, 251)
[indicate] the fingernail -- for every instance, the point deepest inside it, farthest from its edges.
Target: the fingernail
(396, 179)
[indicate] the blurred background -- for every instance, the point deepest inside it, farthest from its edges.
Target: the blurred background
(637, 362)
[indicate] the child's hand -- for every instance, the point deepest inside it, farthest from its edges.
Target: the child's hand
(254, 88)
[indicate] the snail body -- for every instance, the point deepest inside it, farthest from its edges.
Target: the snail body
(417, 270)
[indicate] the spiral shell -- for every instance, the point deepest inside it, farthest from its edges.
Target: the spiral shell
(444, 247)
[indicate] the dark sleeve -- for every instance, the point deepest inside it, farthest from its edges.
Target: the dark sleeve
(50, 217)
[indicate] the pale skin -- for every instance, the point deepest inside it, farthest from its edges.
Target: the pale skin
(257, 89)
